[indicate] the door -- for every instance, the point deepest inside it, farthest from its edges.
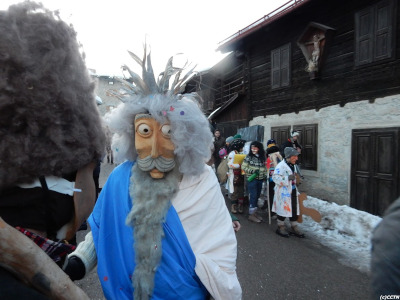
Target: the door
(375, 169)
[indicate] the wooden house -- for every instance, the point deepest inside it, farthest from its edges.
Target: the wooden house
(329, 69)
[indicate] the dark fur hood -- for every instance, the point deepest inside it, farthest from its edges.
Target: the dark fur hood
(49, 122)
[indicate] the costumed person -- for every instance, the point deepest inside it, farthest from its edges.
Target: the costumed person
(223, 152)
(228, 141)
(160, 227)
(235, 182)
(385, 254)
(256, 172)
(51, 138)
(286, 202)
(223, 170)
(274, 158)
(291, 142)
(219, 143)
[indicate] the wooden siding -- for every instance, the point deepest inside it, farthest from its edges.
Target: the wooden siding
(237, 112)
(341, 80)
(231, 82)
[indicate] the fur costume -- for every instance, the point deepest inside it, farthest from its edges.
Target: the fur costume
(51, 137)
(49, 122)
(275, 157)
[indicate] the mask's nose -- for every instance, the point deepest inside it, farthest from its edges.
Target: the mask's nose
(154, 149)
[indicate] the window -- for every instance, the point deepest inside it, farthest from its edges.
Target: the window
(308, 140)
(280, 67)
(374, 33)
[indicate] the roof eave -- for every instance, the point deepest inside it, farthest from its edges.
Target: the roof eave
(276, 14)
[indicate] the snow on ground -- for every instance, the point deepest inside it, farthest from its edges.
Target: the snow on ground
(346, 230)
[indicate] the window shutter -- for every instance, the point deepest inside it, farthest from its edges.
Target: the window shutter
(364, 37)
(280, 134)
(383, 33)
(309, 141)
(285, 69)
(275, 68)
(275, 135)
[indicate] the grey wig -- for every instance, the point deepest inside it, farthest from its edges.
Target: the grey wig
(190, 128)
(49, 122)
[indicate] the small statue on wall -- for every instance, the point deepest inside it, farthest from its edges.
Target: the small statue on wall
(315, 55)
(313, 43)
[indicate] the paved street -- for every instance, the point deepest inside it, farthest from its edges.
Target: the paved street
(272, 267)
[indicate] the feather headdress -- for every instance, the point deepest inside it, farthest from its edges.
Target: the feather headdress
(147, 84)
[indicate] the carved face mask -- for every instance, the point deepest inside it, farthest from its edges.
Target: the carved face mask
(154, 146)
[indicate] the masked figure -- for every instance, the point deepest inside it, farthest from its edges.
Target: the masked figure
(160, 228)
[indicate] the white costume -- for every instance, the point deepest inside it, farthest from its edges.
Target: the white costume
(231, 166)
(283, 190)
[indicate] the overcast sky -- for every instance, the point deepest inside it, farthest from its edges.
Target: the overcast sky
(108, 29)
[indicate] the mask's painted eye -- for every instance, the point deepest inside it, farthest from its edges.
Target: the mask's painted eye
(166, 130)
(144, 130)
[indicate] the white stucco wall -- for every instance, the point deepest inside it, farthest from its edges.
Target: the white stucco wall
(335, 124)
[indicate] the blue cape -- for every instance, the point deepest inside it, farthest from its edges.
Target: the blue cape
(175, 277)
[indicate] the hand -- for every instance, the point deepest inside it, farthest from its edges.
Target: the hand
(74, 268)
(291, 177)
(236, 225)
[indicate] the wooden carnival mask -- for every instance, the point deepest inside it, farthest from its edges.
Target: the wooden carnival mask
(154, 146)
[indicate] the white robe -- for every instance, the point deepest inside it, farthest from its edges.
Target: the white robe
(208, 226)
(282, 205)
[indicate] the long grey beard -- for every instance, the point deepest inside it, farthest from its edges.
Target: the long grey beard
(151, 201)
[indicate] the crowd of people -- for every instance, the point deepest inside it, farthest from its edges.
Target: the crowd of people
(248, 171)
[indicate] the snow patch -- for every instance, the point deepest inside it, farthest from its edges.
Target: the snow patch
(346, 230)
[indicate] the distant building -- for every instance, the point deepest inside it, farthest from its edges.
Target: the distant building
(330, 70)
(103, 85)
